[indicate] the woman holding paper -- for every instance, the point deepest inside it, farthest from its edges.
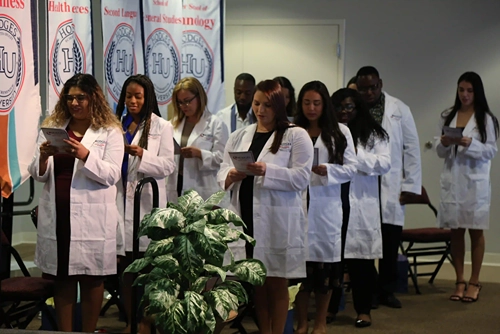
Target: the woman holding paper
(465, 178)
(77, 213)
(361, 226)
(336, 164)
(149, 152)
(269, 199)
(201, 136)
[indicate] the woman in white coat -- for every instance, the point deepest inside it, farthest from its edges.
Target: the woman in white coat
(361, 228)
(269, 199)
(77, 214)
(336, 164)
(465, 178)
(201, 137)
(149, 152)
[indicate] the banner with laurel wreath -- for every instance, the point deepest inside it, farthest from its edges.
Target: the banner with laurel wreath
(202, 48)
(123, 55)
(162, 21)
(70, 44)
(19, 93)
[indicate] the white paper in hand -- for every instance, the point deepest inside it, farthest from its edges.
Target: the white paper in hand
(241, 160)
(56, 136)
(452, 132)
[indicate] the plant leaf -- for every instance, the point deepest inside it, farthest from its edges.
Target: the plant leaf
(145, 222)
(160, 247)
(173, 321)
(222, 301)
(198, 226)
(209, 246)
(190, 201)
(165, 284)
(215, 198)
(175, 206)
(224, 216)
(210, 321)
(167, 263)
(247, 238)
(236, 288)
(165, 219)
(216, 270)
(190, 263)
(142, 279)
(195, 308)
(250, 270)
(227, 234)
(159, 302)
(138, 265)
(199, 285)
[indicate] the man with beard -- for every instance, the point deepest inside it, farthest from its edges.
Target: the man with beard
(403, 179)
(239, 114)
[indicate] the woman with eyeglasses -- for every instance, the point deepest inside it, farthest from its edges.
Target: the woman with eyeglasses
(201, 137)
(269, 199)
(336, 164)
(361, 227)
(149, 152)
(77, 213)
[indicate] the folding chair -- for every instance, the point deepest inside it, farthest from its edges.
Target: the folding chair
(430, 241)
(22, 298)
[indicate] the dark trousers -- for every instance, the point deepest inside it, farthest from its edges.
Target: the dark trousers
(362, 286)
(388, 265)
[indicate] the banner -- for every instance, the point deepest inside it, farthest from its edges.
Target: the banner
(202, 48)
(19, 91)
(123, 56)
(70, 43)
(162, 42)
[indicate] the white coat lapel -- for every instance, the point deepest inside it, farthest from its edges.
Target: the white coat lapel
(247, 137)
(90, 137)
(178, 131)
(470, 127)
(198, 128)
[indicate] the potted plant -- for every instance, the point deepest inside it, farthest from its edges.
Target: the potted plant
(188, 244)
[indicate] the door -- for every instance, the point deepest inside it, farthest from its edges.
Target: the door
(302, 52)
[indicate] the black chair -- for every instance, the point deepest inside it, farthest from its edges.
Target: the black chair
(425, 242)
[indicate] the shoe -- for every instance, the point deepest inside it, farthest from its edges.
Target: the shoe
(375, 302)
(467, 299)
(457, 298)
(390, 301)
(362, 323)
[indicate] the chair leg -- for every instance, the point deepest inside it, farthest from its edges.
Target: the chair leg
(411, 273)
(438, 267)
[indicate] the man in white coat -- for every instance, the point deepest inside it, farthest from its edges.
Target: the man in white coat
(404, 177)
(240, 114)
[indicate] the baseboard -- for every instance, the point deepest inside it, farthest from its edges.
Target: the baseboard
(24, 238)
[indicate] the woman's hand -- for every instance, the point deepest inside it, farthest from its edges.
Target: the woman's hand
(257, 168)
(465, 141)
(77, 149)
(447, 141)
(233, 176)
(320, 170)
(191, 152)
(47, 150)
(134, 150)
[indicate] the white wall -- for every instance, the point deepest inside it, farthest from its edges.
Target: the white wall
(420, 49)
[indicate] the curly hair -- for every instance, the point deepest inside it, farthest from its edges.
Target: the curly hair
(150, 104)
(194, 86)
(100, 113)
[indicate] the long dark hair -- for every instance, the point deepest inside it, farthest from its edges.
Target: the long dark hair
(149, 107)
(363, 125)
(481, 107)
(327, 122)
(272, 90)
(291, 108)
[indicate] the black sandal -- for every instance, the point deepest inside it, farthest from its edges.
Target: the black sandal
(467, 299)
(458, 298)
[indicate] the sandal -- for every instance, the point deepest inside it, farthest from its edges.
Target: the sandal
(467, 299)
(457, 298)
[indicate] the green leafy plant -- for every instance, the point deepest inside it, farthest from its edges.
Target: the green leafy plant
(188, 243)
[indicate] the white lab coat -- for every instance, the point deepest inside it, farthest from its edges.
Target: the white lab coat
(94, 215)
(279, 221)
(210, 136)
(364, 235)
(406, 172)
(465, 178)
(226, 114)
(325, 204)
(158, 162)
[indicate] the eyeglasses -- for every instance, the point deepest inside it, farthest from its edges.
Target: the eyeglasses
(348, 108)
(364, 90)
(186, 103)
(79, 98)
